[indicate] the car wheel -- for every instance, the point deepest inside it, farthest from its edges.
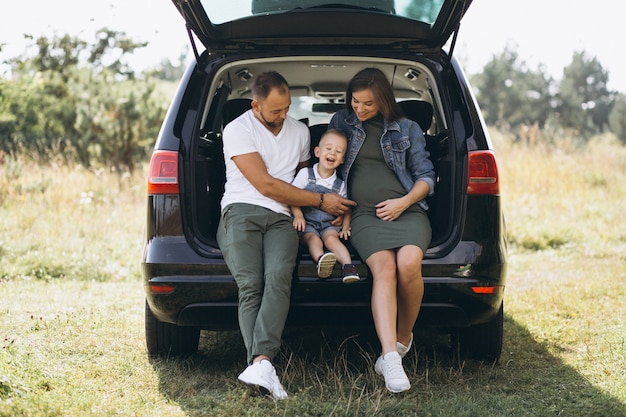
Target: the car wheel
(168, 339)
(482, 341)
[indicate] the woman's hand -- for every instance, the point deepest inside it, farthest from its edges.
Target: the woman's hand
(391, 209)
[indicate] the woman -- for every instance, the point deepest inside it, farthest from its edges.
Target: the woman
(389, 175)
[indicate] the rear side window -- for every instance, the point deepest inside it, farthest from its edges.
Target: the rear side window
(237, 9)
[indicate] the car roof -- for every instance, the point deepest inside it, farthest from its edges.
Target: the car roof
(273, 24)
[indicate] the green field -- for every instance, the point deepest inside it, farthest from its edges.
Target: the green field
(72, 341)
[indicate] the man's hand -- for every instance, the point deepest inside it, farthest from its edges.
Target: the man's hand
(336, 205)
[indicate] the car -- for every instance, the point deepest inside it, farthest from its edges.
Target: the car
(318, 46)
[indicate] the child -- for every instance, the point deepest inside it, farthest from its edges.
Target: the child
(317, 232)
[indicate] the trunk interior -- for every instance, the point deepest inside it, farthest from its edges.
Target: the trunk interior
(317, 86)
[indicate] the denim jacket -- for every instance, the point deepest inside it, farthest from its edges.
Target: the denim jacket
(403, 146)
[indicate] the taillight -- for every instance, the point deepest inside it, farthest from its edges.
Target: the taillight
(163, 174)
(482, 173)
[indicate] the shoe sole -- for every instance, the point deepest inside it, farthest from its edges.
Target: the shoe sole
(398, 391)
(350, 279)
(256, 388)
(395, 391)
(326, 265)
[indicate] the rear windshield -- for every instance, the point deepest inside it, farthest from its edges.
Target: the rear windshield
(423, 10)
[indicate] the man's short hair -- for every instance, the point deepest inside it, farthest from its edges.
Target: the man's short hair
(268, 81)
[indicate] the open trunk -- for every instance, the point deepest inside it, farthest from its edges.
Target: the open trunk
(317, 85)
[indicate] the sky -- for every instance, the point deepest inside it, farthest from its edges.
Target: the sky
(543, 32)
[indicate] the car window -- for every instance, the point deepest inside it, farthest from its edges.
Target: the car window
(422, 10)
(315, 110)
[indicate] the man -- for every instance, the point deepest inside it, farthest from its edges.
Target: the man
(263, 149)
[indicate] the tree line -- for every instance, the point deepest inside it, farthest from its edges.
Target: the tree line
(82, 102)
(516, 98)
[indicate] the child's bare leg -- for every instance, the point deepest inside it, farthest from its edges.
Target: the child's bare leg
(315, 245)
(334, 244)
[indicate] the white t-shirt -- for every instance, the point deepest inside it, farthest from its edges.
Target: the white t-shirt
(302, 180)
(281, 153)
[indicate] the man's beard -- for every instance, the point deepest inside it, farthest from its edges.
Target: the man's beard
(272, 124)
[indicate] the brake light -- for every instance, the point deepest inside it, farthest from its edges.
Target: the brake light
(163, 173)
(482, 173)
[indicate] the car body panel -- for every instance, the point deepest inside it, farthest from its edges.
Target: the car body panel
(323, 24)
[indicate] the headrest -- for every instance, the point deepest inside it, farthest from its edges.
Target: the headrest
(235, 108)
(418, 111)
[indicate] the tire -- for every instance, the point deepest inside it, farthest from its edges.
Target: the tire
(165, 339)
(482, 342)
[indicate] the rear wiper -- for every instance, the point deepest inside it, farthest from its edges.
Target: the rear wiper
(348, 6)
(356, 5)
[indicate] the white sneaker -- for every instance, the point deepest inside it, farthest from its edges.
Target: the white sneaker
(325, 265)
(262, 377)
(403, 350)
(390, 367)
(278, 392)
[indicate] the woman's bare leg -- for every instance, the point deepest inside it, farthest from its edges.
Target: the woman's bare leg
(410, 290)
(384, 297)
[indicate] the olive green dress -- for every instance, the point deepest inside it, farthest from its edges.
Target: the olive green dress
(370, 182)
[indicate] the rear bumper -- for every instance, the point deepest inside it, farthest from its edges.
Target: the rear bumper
(204, 294)
(223, 316)
(211, 303)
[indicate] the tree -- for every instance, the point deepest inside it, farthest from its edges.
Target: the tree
(118, 128)
(584, 101)
(82, 101)
(510, 94)
(168, 70)
(424, 10)
(617, 118)
(110, 51)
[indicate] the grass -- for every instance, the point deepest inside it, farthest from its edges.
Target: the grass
(72, 341)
